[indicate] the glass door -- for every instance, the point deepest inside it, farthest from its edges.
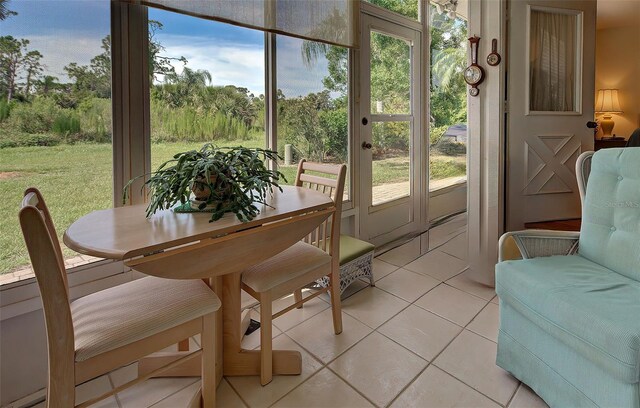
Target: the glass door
(390, 129)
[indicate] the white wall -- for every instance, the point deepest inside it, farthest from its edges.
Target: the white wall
(618, 66)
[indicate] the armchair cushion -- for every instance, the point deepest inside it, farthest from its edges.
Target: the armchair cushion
(585, 305)
(610, 234)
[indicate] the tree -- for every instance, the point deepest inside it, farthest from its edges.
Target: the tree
(47, 84)
(4, 10)
(160, 64)
(34, 68)
(12, 53)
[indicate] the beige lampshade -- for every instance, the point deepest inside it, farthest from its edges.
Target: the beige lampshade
(607, 101)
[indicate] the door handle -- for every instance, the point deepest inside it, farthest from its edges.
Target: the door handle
(365, 121)
(592, 125)
(366, 145)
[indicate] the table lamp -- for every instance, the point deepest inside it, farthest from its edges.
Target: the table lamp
(607, 103)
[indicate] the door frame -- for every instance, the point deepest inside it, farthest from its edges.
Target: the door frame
(420, 150)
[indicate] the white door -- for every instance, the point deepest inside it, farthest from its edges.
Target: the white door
(390, 129)
(550, 100)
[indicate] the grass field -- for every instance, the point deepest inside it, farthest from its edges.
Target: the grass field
(77, 179)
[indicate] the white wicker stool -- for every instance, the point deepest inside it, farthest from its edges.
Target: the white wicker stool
(356, 261)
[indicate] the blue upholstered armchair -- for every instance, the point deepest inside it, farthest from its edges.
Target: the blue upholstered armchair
(570, 303)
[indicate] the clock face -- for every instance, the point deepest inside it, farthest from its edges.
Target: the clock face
(473, 75)
(493, 59)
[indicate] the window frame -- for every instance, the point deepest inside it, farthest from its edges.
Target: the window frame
(131, 147)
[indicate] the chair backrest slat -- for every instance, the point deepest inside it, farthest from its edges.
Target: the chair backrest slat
(325, 182)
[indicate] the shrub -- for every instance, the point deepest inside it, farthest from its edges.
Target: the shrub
(35, 117)
(5, 110)
(436, 133)
(448, 147)
(25, 139)
(95, 120)
(192, 125)
(335, 124)
(66, 124)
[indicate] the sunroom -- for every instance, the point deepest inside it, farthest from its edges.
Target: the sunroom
(320, 203)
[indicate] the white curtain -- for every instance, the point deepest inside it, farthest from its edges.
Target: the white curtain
(328, 21)
(552, 60)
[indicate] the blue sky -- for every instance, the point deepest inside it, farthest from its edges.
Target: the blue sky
(67, 31)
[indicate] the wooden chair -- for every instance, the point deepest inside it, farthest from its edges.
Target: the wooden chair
(316, 256)
(98, 333)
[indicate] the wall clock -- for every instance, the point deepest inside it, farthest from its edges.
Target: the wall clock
(494, 58)
(474, 74)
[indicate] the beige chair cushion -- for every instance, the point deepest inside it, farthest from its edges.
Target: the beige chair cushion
(121, 315)
(294, 262)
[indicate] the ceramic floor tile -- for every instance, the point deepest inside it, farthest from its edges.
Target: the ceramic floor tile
(252, 341)
(149, 392)
(226, 397)
(297, 316)
(420, 331)
(452, 304)
(526, 398)
(496, 300)
(317, 335)
(435, 388)
(438, 265)
(467, 282)
(378, 368)
(458, 247)
(325, 389)
(255, 395)
(406, 284)
(472, 359)
(95, 388)
(373, 306)
(486, 322)
(404, 254)
(180, 399)
(382, 268)
(446, 231)
(355, 287)
(247, 301)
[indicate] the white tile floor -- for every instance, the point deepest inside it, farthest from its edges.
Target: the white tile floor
(425, 336)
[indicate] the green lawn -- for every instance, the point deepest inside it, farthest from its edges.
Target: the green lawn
(77, 179)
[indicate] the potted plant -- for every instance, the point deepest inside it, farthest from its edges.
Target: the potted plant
(214, 179)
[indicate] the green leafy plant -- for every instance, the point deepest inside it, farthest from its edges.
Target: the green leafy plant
(229, 179)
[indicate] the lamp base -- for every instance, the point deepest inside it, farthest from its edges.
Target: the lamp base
(606, 124)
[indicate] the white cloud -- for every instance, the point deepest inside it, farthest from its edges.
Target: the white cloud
(229, 63)
(241, 64)
(63, 48)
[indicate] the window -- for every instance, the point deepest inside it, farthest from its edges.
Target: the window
(407, 8)
(312, 104)
(448, 103)
(207, 85)
(55, 118)
(553, 72)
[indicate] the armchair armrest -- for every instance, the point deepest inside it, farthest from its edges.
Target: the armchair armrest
(535, 243)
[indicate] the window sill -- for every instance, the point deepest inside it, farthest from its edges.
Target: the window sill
(23, 296)
(443, 186)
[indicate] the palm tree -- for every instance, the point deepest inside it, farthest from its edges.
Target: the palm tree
(4, 10)
(447, 64)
